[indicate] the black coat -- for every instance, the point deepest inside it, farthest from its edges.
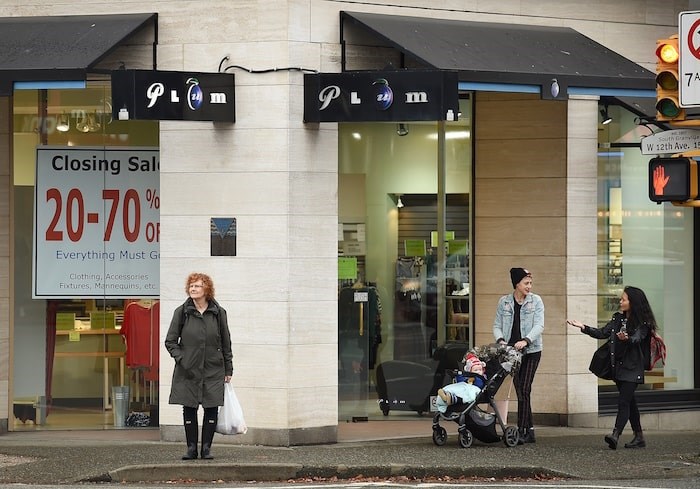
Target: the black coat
(626, 356)
(201, 347)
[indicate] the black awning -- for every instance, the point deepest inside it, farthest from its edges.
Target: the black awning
(60, 48)
(486, 52)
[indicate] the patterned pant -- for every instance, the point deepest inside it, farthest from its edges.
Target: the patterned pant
(522, 381)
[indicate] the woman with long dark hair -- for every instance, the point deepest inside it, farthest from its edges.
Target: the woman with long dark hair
(628, 331)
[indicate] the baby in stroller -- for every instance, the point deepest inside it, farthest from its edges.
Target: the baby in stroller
(466, 387)
(462, 401)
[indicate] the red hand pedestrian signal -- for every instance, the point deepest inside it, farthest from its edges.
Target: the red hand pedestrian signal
(673, 179)
(660, 180)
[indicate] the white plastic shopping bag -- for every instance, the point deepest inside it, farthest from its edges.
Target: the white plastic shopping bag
(231, 420)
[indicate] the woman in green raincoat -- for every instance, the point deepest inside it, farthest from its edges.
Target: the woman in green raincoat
(200, 343)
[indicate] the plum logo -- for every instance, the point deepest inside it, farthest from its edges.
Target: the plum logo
(194, 94)
(384, 95)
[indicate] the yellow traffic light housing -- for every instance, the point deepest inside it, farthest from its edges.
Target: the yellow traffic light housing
(668, 107)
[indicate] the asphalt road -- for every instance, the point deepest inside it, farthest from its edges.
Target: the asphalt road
(559, 454)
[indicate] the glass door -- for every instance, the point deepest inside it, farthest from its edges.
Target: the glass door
(403, 291)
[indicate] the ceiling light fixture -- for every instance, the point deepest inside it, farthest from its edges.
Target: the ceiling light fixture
(63, 123)
(94, 124)
(606, 117)
(82, 123)
(451, 135)
(399, 204)
(402, 129)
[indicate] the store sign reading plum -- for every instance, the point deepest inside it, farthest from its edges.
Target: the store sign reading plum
(97, 223)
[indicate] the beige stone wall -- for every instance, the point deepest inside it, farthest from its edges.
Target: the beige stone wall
(520, 221)
(5, 265)
(581, 259)
(535, 207)
(278, 178)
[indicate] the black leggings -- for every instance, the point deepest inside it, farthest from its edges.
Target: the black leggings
(522, 380)
(627, 407)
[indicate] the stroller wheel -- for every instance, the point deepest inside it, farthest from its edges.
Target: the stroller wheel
(465, 439)
(439, 436)
(511, 436)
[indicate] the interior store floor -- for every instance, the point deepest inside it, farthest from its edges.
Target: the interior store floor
(64, 418)
(369, 423)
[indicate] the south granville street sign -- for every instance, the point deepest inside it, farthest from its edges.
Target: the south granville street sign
(673, 141)
(381, 96)
(173, 95)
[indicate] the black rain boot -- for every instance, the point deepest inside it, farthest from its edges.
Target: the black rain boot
(191, 435)
(529, 435)
(612, 439)
(637, 441)
(208, 430)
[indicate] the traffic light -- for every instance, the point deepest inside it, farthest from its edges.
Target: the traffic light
(673, 179)
(667, 83)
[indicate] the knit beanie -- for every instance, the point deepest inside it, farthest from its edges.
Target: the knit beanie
(470, 360)
(517, 274)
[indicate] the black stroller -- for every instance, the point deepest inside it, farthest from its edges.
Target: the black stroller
(473, 420)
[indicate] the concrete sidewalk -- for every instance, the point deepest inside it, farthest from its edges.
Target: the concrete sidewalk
(136, 455)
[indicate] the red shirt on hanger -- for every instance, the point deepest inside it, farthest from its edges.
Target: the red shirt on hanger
(140, 329)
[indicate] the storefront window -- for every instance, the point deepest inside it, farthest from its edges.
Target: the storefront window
(391, 313)
(86, 244)
(645, 245)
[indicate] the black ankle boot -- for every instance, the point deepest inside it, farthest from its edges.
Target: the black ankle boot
(612, 439)
(637, 441)
(529, 435)
(522, 433)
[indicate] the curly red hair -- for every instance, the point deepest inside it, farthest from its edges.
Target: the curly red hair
(206, 281)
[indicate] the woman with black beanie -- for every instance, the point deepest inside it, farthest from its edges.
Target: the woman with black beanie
(519, 323)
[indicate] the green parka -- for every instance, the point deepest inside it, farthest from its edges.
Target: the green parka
(201, 347)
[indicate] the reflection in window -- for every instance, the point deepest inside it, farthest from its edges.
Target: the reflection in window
(645, 245)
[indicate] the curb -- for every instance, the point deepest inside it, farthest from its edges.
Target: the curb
(281, 472)
(205, 472)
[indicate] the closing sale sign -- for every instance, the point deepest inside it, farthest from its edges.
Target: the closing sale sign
(96, 223)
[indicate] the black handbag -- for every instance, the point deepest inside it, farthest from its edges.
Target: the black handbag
(601, 365)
